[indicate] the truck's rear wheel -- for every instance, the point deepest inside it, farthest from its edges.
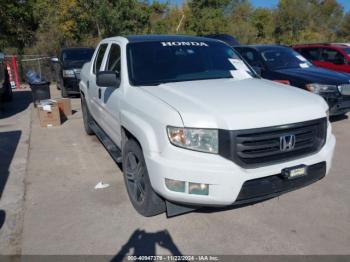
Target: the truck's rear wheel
(140, 191)
(87, 118)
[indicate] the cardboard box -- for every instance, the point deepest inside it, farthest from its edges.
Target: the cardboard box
(64, 106)
(49, 114)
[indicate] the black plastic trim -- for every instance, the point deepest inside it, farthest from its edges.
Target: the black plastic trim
(268, 187)
(228, 142)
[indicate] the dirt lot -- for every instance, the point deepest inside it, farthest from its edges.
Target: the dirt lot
(49, 204)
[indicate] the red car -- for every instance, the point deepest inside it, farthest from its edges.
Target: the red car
(331, 56)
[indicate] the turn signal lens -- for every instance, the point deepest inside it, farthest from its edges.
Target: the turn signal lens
(175, 185)
(198, 189)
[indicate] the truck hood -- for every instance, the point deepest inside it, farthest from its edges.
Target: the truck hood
(233, 105)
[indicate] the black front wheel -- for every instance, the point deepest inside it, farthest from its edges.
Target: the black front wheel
(87, 118)
(140, 191)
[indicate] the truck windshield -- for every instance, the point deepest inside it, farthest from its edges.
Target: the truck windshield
(77, 55)
(284, 58)
(153, 63)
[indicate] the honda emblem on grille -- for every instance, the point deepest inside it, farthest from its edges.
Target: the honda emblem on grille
(287, 143)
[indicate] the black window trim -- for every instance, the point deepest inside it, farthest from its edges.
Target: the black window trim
(324, 48)
(308, 48)
(108, 56)
(94, 71)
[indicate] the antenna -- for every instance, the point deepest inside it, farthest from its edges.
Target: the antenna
(178, 26)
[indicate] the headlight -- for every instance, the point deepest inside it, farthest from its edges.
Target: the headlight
(68, 73)
(319, 89)
(204, 140)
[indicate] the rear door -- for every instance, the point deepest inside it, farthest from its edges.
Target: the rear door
(334, 60)
(94, 93)
(109, 103)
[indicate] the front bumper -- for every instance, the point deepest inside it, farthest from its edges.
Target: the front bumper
(226, 180)
(71, 85)
(272, 186)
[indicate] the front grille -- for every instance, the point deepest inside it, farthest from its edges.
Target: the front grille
(345, 89)
(77, 73)
(253, 148)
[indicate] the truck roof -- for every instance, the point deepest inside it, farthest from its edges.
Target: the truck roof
(77, 48)
(163, 38)
(263, 47)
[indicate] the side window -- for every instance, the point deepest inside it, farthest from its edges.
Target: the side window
(332, 56)
(251, 56)
(311, 54)
(113, 62)
(98, 60)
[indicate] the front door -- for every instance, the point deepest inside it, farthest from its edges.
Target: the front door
(109, 103)
(94, 92)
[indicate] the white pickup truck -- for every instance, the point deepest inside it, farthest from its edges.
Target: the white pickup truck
(194, 126)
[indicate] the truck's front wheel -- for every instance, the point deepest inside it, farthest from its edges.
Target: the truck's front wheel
(140, 191)
(87, 118)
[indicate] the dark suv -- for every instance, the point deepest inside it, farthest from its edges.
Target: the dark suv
(5, 85)
(283, 64)
(331, 56)
(70, 62)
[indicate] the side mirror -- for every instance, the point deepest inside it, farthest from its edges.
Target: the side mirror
(108, 79)
(54, 60)
(2, 56)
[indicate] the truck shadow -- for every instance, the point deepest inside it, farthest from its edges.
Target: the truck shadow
(8, 145)
(142, 243)
(227, 208)
(21, 100)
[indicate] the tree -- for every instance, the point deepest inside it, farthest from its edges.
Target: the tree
(17, 24)
(123, 17)
(240, 23)
(344, 31)
(307, 21)
(206, 17)
(262, 19)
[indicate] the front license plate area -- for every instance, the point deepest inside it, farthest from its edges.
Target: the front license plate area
(294, 172)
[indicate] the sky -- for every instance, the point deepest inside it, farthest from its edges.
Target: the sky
(270, 3)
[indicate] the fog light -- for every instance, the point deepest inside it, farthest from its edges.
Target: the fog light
(175, 185)
(198, 189)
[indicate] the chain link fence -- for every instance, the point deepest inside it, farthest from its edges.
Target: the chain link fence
(42, 65)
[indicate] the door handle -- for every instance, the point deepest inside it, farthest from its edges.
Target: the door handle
(88, 84)
(99, 93)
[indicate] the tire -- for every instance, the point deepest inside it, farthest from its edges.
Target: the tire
(139, 188)
(64, 93)
(87, 118)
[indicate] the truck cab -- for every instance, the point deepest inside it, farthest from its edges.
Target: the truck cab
(194, 126)
(69, 64)
(331, 56)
